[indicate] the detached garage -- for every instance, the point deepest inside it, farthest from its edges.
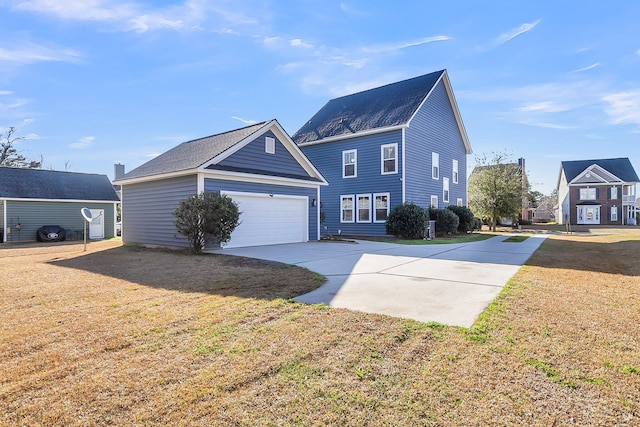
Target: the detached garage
(31, 199)
(276, 187)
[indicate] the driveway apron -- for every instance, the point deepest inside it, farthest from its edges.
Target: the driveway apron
(445, 283)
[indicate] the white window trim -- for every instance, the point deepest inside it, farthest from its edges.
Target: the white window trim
(595, 193)
(431, 205)
(358, 208)
(455, 173)
(435, 165)
(269, 145)
(355, 163)
(614, 213)
(614, 193)
(375, 216)
(395, 158)
(445, 190)
(459, 202)
(353, 208)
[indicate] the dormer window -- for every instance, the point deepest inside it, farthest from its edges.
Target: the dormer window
(270, 145)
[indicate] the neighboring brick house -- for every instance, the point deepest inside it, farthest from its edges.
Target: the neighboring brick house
(597, 192)
(403, 142)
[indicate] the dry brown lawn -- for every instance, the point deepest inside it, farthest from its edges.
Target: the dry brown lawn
(126, 336)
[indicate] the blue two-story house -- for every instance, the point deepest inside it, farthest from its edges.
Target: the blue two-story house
(403, 142)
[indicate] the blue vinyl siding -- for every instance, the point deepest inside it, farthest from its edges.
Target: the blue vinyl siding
(253, 157)
(434, 129)
(34, 214)
(327, 157)
(147, 210)
(252, 187)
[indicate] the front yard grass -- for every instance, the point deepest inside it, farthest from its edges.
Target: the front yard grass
(123, 336)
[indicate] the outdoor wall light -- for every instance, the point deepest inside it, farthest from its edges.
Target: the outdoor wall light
(313, 202)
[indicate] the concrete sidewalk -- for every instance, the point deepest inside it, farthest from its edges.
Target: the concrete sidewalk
(446, 283)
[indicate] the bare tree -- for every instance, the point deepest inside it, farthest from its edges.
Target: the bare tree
(9, 155)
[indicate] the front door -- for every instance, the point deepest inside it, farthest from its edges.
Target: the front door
(96, 226)
(589, 214)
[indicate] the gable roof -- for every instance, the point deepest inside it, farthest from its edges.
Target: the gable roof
(380, 108)
(201, 155)
(620, 167)
(192, 154)
(19, 183)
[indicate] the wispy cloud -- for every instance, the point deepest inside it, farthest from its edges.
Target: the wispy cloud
(5, 92)
(403, 45)
(511, 34)
(300, 43)
(245, 121)
(83, 143)
(543, 107)
(139, 17)
(590, 67)
(624, 107)
(30, 53)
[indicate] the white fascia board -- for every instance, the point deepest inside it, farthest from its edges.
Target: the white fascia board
(157, 177)
(284, 138)
(404, 167)
(259, 179)
(598, 171)
(353, 135)
(454, 106)
(237, 146)
(18, 199)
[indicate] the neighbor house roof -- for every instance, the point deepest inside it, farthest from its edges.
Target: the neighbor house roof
(620, 167)
(20, 183)
(192, 154)
(379, 108)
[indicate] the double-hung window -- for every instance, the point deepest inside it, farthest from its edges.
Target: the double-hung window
(587, 194)
(381, 207)
(614, 193)
(614, 213)
(350, 163)
(454, 175)
(346, 209)
(364, 207)
(435, 165)
(389, 158)
(434, 202)
(445, 190)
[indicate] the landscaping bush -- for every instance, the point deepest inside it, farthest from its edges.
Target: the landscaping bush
(477, 224)
(446, 220)
(465, 216)
(206, 218)
(408, 221)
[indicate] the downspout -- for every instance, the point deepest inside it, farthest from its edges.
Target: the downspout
(318, 205)
(403, 166)
(4, 221)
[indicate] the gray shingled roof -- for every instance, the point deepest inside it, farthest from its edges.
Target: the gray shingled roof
(385, 106)
(620, 167)
(192, 154)
(46, 184)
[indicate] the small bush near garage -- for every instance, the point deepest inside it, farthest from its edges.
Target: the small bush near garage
(206, 218)
(408, 221)
(465, 217)
(446, 221)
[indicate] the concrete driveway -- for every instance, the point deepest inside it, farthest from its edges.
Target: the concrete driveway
(446, 283)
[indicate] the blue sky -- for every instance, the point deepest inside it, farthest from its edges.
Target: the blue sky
(91, 83)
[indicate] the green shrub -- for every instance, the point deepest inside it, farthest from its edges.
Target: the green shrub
(477, 224)
(206, 218)
(446, 220)
(408, 221)
(465, 216)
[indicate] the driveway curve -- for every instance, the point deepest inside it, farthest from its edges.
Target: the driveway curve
(445, 283)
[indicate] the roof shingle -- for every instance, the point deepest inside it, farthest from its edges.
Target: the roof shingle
(22, 183)
(386, 106)
(620, 167)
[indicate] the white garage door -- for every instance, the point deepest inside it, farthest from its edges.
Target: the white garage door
(269, 219)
